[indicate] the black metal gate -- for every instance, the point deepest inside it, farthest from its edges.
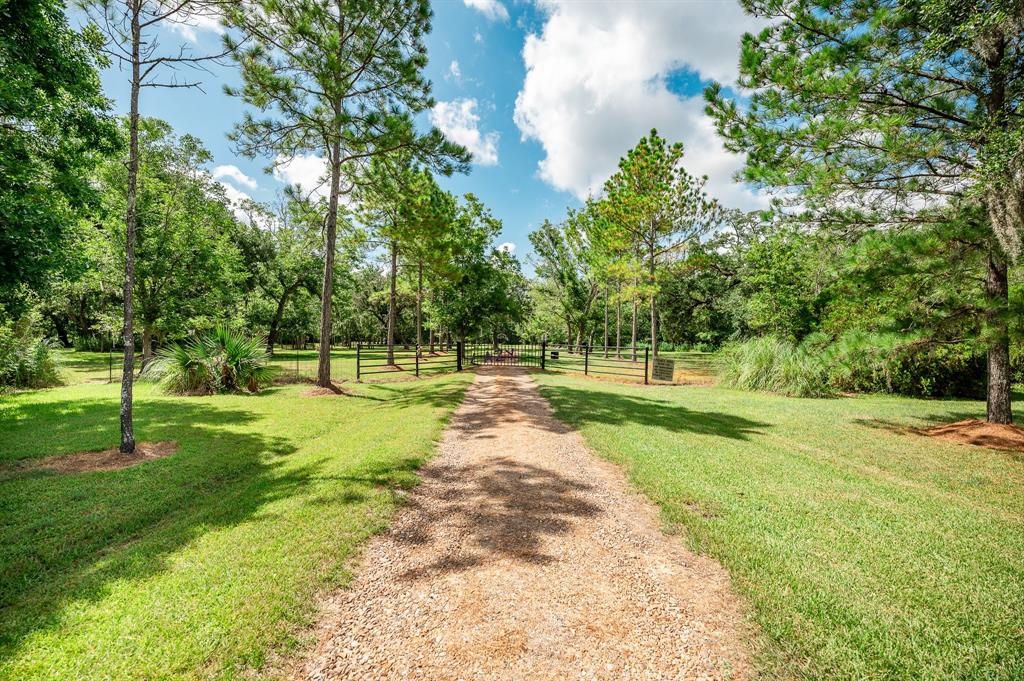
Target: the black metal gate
(505, 354)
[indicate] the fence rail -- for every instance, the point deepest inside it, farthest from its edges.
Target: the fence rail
(410, 360)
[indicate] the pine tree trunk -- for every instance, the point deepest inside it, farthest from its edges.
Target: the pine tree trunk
(323, 373)
(635, 310)
(652, 280)
(997, 291)
(419, 308)
(392, 302)
(128, 332)
(618, 319)
(606, 321)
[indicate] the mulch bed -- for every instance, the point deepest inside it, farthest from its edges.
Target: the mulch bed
(107, 460)
(980, 433)
(333, 391)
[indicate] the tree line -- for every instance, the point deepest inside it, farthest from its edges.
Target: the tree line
(890, 135)
(115, 234)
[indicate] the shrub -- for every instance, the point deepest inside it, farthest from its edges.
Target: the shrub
(856, 362)
(27, 359)
(771, 364)
(219, 362)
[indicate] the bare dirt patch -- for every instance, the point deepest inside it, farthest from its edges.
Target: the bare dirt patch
(524, 556)
(981, 433)
(107, 460)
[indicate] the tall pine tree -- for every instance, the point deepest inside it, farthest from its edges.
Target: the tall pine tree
(895, 115)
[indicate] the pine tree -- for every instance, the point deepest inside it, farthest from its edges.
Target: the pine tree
(660, 206)
(341, 78)
(894, 115)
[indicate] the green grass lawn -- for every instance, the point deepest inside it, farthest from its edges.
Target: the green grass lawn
(199, 564)
(865, 553)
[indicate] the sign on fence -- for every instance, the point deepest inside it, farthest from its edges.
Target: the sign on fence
(663, 369)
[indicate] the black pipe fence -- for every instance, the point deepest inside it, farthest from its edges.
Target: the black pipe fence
(408, 360)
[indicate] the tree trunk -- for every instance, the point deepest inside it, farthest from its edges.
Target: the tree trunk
(392, 302)
(275, 324)
(997, 291)
(618, 319)
(127, 331)
(634, 319)
(323, 372)
(606, 321)
(652, 280)
(147, 343)
(419, 308)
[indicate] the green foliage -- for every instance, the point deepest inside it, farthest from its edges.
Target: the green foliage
(54, 129)
(219, 362)
(27, 359)
(772, 364)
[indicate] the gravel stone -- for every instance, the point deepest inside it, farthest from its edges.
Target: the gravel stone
(524, 556)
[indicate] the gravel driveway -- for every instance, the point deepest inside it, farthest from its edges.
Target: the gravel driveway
(523, 556)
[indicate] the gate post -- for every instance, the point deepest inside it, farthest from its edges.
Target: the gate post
(586, 359)
(543, 354)
(458, 355)
(647, 351)
(417, 360)
(358, 348)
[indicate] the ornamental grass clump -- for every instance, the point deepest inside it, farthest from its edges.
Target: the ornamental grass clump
(219, 362)
(770, 364)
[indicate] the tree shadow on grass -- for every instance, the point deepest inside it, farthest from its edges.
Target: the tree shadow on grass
(65, 538)
(579, 407)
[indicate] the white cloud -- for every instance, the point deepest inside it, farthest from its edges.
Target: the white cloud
(236, 198)
(454, 72)
(492, 9)
(507, 247)
(596, 83)
(307, 171)
(478, 38)
(459, 123)
(190, 25)
(233, 172)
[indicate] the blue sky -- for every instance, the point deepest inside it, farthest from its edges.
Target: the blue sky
(547, 94)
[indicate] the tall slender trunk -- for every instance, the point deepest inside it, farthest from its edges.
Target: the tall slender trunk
(323, 373)
(419, 308)
(652, 280)
(606, 320)
(999, 409)
(127, 331)
(392, 302)
(635, 305)
(430, 336)
(618, 319)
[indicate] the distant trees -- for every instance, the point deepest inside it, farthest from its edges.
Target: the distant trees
(659, 208)
(341, 78)
(902, 117)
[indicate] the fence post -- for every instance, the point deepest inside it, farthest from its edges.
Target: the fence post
(458, 355)
(543, 354)
(647, 351)
(359, 347)
(417, 360)
(586, 359)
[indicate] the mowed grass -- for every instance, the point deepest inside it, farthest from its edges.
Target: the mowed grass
(201, 564)
(864, 552)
